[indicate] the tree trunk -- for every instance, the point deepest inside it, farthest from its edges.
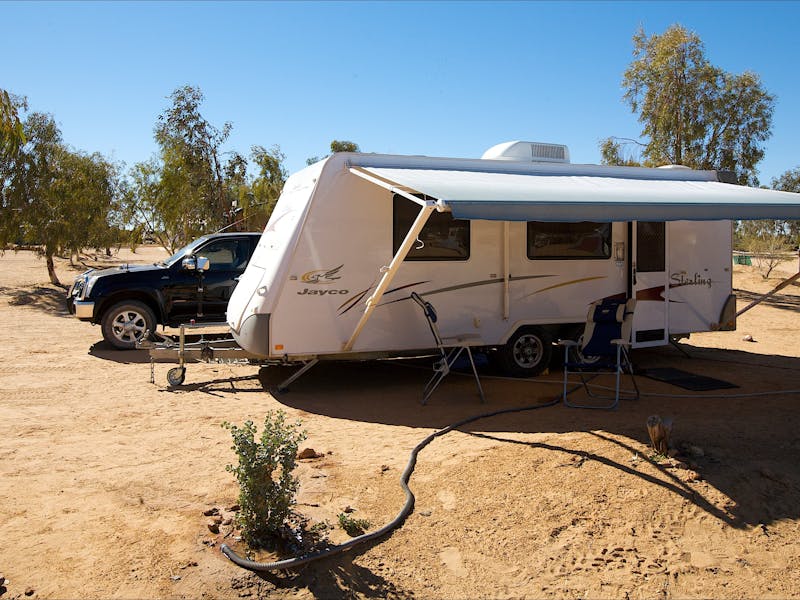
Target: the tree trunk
(659, 430)
(51, 267)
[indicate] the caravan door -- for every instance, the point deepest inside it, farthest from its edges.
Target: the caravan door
(650, 285)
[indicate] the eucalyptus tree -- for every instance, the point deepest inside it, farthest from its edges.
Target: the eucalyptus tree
(192, 182)
(54, 198)
(149, 211)
(12, 138)
(12, 134)
(789, 181)
(266, 186)
(183, 191)
(692, 112)
(336, 146)
(237, 190)
(344, 146)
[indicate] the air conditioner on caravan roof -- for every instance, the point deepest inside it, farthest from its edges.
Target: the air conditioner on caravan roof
(529, 152)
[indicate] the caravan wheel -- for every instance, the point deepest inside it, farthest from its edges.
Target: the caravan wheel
(527, 353)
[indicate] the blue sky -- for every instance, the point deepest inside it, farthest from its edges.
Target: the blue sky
(440, 79)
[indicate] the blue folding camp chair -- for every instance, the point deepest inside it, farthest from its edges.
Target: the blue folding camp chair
(603, 348)
(450, 348)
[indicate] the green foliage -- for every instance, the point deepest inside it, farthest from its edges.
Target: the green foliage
(789, 181)
(694, 113)
(191, 178)
(54, 197)
(12, 134)
(352, 526)
(344, 146)
(267, 486)
(612, 152)
(336, 146)
(767, 241)
(266, 186)
(181, 193)
(187, 190)
(657, 458)
(64, 200)
(147, 206)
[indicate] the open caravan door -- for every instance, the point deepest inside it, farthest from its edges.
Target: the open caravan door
(649, 283)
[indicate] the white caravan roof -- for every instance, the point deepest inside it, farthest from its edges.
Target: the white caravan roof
(580, 192)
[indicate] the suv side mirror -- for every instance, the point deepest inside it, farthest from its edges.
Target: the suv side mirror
(196, 263)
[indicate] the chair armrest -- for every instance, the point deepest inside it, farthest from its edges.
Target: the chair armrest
(567, 343)
(620, 342)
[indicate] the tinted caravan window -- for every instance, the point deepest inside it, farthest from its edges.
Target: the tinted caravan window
(442, 238)
(583, 240)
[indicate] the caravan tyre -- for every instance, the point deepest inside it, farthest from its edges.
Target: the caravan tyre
(527, 353)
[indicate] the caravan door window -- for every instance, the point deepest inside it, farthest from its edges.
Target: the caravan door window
(442, 238)
(583, 240)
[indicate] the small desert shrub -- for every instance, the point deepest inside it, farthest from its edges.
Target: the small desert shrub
(267, 487)
(352, 526)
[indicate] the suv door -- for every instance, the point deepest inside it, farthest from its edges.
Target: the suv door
(204, 295)
(228, 258)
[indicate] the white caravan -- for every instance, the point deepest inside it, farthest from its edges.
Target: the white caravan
(510, 249)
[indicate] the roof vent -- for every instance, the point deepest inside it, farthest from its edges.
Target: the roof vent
(528, 152)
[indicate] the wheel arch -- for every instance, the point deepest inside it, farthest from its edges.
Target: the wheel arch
(127, 295)
(555, 330)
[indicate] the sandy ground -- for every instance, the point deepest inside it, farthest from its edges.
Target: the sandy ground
(104, 476)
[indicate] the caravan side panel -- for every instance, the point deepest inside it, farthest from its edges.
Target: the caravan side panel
(344, 241)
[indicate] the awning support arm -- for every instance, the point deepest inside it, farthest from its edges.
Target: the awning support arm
(775, 290)
(506, 273)
(390, 271)
(392, 187)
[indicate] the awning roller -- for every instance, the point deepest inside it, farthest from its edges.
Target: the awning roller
(536, 197)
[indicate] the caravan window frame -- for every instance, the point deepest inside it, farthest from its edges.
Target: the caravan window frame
(401, 223)
(605, 247)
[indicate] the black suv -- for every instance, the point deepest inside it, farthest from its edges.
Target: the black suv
(194, 283)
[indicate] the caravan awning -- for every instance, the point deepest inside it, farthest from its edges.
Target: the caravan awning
(536, 197)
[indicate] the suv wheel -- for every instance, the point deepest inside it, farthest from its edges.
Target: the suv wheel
(125, 323)
(527, 353)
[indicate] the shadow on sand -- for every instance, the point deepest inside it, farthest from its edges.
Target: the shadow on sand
(341, 578)
(105, 351)
(47, 298)
(751, 448)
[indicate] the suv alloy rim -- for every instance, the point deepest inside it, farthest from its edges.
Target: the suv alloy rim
(129, 326)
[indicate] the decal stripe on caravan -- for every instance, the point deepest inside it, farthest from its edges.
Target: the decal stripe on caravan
(353, 301)
(558, 285)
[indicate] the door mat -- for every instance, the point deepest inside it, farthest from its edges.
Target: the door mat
(686, 380)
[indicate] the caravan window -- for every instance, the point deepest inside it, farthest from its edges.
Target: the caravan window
(582, 240)
(442, 238)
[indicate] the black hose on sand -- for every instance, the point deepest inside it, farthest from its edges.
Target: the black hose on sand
(291, 563)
